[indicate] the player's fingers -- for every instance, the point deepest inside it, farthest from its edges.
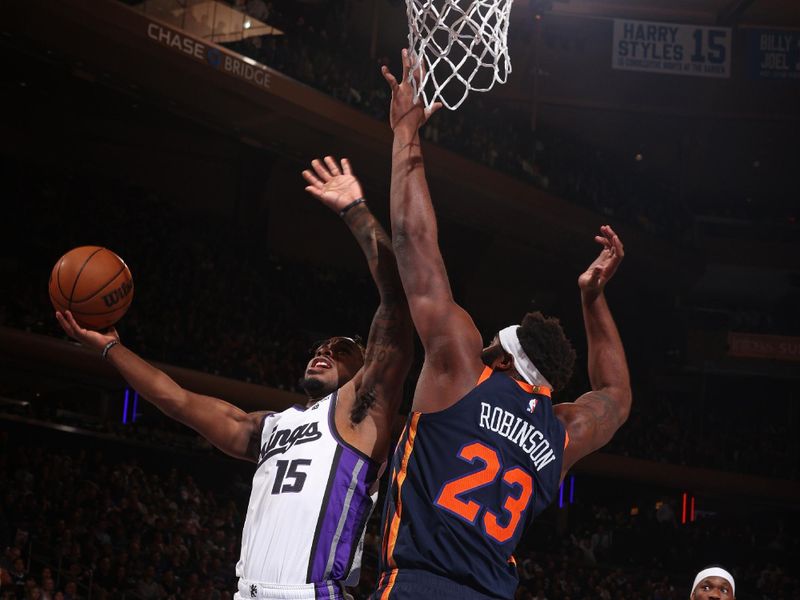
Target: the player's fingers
(310, 178)
(320, 170)
(332, 166)
(608, 232)
(432, 109)
(314, 191)
(346, 167)
(607, 247)
(74, 328)
(62, 321)
(420, 69)
(618, 245)
(406, 63)
(387, 75)
(613, 238)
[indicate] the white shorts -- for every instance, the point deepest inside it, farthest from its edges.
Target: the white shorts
(253, 590)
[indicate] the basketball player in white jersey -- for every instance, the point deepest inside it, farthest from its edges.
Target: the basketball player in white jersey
(317, 465)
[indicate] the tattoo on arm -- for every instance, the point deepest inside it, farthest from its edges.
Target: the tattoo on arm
(382, 348)
(390, 332)
(377, 248)
(604, 419)
(383, 335)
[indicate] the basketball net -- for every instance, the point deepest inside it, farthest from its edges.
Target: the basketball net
(458, 46)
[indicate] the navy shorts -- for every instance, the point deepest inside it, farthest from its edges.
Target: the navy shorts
(411, 584)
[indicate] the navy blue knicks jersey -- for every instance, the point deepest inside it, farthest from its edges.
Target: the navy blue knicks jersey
(466, 482)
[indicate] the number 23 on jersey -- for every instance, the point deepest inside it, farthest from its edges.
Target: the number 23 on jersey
(515, 503)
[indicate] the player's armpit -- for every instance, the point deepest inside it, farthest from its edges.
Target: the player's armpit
(591, 422)
(367, 406)
(256, 419)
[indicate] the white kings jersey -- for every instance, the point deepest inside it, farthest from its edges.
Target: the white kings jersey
(311, 498)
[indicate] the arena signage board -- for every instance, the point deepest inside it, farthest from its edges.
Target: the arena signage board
(216, 58)
(671, 48)
(774, 54)
(772, 347)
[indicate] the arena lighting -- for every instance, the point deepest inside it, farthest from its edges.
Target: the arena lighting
(125, 407)
(247, 24)
(561, 495)
(683, 513)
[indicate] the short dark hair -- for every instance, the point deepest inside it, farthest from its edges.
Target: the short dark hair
(544, 341)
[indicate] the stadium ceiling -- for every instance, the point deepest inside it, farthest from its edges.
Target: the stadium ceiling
(773, 13)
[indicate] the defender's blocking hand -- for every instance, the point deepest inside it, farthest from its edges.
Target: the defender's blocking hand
(594, 279)
(406, 110)
(335, 186)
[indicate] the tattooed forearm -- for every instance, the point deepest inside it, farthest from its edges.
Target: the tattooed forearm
(365, 400)
(377, 248)
(385, 334)
(389, 345)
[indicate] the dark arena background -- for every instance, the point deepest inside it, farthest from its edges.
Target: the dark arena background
(174, 133)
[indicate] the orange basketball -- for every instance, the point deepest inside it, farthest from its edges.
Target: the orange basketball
(94, 284)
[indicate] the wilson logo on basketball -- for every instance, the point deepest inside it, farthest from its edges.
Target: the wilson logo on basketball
(118, 294)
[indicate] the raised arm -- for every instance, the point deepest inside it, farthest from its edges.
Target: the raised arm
(592, 419)
(364, 417)
(451, 340)
(227, 427)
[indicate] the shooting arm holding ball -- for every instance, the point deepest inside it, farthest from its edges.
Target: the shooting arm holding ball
(227, 427)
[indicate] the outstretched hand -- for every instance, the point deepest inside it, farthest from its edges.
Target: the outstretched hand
(87, 337)
(594, 279)
(336, 187)
(406, 111)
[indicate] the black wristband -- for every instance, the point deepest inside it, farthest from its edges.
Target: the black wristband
(108, 347)
(354, 203)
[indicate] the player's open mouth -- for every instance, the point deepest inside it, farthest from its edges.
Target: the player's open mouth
(321, 363)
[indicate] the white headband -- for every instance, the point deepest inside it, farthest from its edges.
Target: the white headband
(524, 365)
(714, 572)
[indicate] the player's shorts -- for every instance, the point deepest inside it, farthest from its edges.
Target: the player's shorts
(411, 584)
(328, 590)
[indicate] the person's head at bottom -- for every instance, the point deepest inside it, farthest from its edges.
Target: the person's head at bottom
(713, 583)
(334, 362)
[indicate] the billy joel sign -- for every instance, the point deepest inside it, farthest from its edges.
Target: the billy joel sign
(774, 54)
(671, 48)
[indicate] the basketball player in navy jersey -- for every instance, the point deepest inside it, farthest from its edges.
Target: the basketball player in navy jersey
(317, 465)
(483, 450)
